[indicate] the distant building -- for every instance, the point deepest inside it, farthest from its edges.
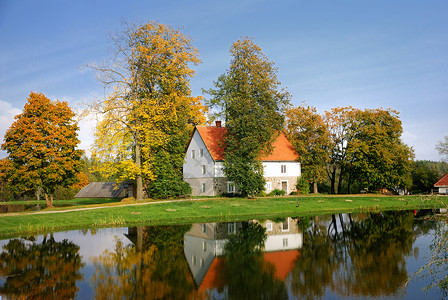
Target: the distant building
(442, 185)
(106, 190)
(203, 166)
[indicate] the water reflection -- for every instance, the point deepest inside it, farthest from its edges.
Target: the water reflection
(48, 270)
(362, 256)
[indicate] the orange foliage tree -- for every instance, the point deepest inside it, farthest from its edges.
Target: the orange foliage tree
(41, 146)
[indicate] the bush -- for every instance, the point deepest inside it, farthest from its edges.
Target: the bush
(65, 193)
(303, 186)
(163, 189)
(277, 192)
(262, 194)
(6, 196)
(293, 193)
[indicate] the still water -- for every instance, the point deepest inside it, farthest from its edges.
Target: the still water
(331, 257)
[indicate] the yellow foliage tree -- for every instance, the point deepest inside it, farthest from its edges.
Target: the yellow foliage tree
(149, 106)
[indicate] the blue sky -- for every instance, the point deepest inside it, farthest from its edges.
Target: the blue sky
(363, 53)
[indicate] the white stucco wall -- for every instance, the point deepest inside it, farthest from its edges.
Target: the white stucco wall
(193, 166)
(273, 169)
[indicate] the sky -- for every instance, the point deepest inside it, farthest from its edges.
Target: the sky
(360, 53)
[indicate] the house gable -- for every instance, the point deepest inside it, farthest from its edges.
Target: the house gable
(442, 182)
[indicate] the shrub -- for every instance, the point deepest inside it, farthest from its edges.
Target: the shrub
(277, 192)
(163, 189)
(294, 193)
(303, 186)
(65, 193)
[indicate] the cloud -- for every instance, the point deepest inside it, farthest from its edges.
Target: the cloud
(7, 113)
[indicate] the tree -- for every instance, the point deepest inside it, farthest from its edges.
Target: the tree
(147, 117)
(308, 133)
(41, 146)
(442, 147)
(366, 148)
(376, 153)
(247, 96)
(424, 175)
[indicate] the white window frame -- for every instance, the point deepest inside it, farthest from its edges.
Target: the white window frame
(203, 188)
(268, 186)
(204, 169)
(192, 153)
(230, 187)
(269, 226)
(231, 228)
(201, 152)
(283, 225)
(283, 169)
(193, 260)
(204, 228)
(285, 242)
(204, 246)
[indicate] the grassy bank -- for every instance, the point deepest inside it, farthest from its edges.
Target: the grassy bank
(202, 210)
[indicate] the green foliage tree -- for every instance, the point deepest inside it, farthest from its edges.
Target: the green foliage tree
(366, 148)
(149, 113)
(41, 146)
(249, 99)
(376, 154)
(308, 133)
(423, 177)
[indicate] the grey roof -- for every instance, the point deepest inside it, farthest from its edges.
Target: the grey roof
(102, 190)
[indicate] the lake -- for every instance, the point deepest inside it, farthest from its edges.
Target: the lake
(347, 256)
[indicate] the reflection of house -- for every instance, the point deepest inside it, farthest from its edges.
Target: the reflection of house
(106, 190)
(442, 184)
(204, 247)
(203, 167)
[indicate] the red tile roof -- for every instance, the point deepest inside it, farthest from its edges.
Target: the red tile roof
(283, 262)
(213, 138)
(442, 181)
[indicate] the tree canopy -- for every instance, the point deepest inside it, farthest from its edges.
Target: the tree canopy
(41, 146)
(442, 147)
(308, 134)
(147, 117)
(249, 99)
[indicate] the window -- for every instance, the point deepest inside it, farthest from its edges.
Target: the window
(285, 225)
(203, 187)
(204, 228)
(192, 153)
(268, 226)
(268, 186)
(201, 152)
(201, 262)
(231, 228)
(203, 169)
(230, 187)
(283, 168)
(285, 242)
(204, 246)
(193, 260)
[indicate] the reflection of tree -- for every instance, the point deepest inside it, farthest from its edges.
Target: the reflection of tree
(437, 266)
(358, 259)
(154, 268)
(246, 273)
(40, 271)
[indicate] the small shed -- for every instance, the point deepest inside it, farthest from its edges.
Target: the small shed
(442, 185)
(106, 190)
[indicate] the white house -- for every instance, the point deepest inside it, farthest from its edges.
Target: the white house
(442, 185)
(203, 166)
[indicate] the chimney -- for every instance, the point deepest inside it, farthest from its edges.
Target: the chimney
(218, 124)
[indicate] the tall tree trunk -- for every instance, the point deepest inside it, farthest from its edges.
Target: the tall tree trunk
(340, 180)
(138, 179)
(49, 200)
(333, 182)
(315, 187)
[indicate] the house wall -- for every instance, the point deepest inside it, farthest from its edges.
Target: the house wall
(443, 190)
(274, 169)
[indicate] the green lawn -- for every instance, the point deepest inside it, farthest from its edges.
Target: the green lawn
(202, 210)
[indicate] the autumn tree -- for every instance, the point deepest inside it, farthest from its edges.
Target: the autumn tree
(148, 114)
(41, 146)
(247, 96)
(308, 134)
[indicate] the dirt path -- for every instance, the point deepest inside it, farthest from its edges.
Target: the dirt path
(96, 207)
